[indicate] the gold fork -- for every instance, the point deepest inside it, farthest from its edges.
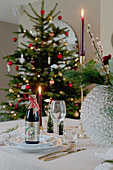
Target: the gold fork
(63, 154)
(70, 147)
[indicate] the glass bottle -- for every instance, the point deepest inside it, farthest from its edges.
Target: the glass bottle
(32, 123)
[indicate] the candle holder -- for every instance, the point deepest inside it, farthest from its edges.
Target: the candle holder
(82, 135)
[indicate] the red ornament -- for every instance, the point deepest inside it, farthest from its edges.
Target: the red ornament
(70, 85)
(10, 63)
(76, 104)
(28, 87)
(42, 12)
(51, 34)
(75, 68)
(36, 47)
(16, 67)
(32, 61)
(19, 86)
(66, 33)
(30, 45)
(59, 56)
(59, 17)
(14, 39)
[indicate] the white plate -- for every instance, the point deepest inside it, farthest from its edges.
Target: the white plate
(46, 142)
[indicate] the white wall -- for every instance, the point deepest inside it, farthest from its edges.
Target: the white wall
(7, 47)
(70, 11)
(106, 28)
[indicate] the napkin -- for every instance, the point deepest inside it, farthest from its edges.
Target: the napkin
(107, 156)
(5, 135)
(104, 166)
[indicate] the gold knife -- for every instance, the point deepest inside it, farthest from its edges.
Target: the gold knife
(64, 154)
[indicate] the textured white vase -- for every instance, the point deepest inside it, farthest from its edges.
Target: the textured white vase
(97, 114)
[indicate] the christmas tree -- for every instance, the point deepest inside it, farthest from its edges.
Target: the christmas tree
(40, 62)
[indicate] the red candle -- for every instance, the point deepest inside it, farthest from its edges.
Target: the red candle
(40, 105)
(82, 42)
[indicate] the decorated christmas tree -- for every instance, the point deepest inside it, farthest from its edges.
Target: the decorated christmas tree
(40, 62)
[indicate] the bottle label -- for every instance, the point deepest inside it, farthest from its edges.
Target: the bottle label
(31, 131)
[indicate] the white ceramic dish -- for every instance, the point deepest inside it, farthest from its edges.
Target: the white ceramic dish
(46, 142)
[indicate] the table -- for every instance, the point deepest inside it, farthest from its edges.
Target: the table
(12, 159)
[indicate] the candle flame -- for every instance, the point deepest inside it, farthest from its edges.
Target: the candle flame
(82, 13)
(39, 89)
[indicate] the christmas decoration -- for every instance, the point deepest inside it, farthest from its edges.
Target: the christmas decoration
(42, 12)
(16, 67)
(70, 85)
(28, 87)
(41, 63)
(59, 56)
(10, 63)
(30, 45)
(11, 104)
(97, 114)
(50, 124)
(59, 17)
(14, 39)
(51, 34)
(66, 33)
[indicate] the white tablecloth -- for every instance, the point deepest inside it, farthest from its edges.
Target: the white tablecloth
(12, 159)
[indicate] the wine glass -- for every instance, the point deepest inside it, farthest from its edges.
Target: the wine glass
(58, 112)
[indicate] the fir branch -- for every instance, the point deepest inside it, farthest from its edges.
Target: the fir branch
(30, 15)
(34, 10)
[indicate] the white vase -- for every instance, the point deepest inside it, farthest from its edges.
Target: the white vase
(97, 114)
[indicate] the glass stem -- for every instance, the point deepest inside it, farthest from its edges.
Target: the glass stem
(57, 128)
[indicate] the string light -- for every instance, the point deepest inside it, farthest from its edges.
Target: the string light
(38, 75)
(27, 81)
(3, 107)
(14, 114)
(61, 92)
(71, 99)
(24, 31)
(36, 39)
(75, 64)
(51, 82)
(18, 95)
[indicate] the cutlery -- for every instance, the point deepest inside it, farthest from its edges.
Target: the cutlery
(64, 154)
(70, 147)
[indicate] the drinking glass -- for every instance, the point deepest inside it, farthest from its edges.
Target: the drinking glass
(58, 112)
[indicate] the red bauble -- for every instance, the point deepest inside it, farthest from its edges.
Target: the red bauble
(36, 47)
(10, 63)
(30, 45)
(28, 87)
(16, 67)
(59, 17)
(76, 104)
(32, 61)
(19, 86)
(59, 56)
(42, 12)
(75, 68)
(70, 85)
(66, 33)
(14, 39)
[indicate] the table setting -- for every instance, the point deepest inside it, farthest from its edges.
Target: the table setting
(81, 153)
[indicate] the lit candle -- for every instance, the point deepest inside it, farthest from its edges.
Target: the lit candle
(40, 106)
(82, 42)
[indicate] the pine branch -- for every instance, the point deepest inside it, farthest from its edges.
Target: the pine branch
(34, 11)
